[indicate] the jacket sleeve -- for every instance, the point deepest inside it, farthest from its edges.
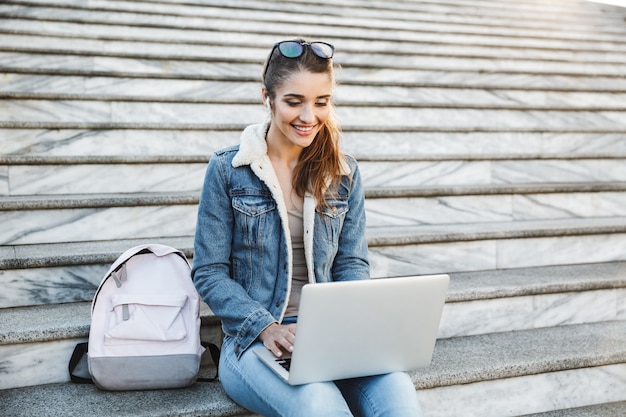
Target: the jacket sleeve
(351, 261)
(242, 317)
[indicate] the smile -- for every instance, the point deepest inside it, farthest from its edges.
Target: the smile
(304, 129)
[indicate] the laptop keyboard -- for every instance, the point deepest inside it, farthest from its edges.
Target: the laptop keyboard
(285, 363)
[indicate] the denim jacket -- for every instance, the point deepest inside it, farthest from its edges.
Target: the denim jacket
(242, 251)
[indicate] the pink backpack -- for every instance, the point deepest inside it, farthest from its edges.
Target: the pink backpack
(145, 323)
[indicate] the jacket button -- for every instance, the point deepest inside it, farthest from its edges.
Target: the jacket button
(278, 303)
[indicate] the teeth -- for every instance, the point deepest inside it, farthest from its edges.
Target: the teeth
(304, 129)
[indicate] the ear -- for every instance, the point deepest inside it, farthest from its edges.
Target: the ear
(266, 97)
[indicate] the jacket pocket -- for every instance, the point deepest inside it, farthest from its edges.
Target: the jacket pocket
(258, 230)
(333, 215)
(253, 204)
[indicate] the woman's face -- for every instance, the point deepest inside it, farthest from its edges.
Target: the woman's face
(300, 108)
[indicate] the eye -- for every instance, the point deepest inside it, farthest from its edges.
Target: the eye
(322, 103)
(292, 103)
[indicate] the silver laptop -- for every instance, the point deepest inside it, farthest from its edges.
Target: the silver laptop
(361, 328)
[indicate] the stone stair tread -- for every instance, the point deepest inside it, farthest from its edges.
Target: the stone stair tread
(21, 86)
(105, 200)
(415, 128)
(430, 41)
(78, 65)
(361, 25)
(468, 359)
(45, 202)
(456, 361)
(23, 146)
(177, 41)
(121, 46)
(377, 61)
(71, 320)
(23, 61)
(78, 253)
(451, 12)
(45, 323)
(404, 62)
(82, 253)
(405, 234)
(202, 399)
(617, 409)
(122, 113)
(470, 286)
(535, 15)
(491, 189)
(98, 177)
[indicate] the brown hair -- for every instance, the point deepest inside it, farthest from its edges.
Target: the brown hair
(320, 162)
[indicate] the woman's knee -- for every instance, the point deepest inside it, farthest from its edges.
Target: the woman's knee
(321, 399)
(252, 385)
(389, 395)
(401, 396)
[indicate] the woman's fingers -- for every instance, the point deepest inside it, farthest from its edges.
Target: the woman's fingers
(278, 338)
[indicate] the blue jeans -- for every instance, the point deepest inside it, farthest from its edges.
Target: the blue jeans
(254, 386)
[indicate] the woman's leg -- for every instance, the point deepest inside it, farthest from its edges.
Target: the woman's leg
(389, 395)
(254, 386)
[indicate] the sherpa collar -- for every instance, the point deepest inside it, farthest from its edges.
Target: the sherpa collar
(252, 146)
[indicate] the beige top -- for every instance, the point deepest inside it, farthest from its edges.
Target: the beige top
(299, 275)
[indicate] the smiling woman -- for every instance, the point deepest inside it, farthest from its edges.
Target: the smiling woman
(299, 110)
(299, 76)
(283, 209)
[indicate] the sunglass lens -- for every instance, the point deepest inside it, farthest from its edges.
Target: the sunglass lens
(322, 49)
(290, 49)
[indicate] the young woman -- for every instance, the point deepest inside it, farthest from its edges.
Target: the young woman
(282, 209)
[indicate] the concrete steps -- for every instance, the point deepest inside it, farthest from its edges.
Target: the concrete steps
(603, 410)
(102, 175)
(43, 219)
(554, 366)
(490, 140)
(64, 113)
(394, 251)
(513, 22)
(405, 55)
(60, 87)
(137, 145)
(478, 303)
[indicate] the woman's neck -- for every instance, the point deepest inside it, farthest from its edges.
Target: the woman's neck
(282, 152)
(284, 160)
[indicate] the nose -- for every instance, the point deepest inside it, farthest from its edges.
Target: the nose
(308, 114)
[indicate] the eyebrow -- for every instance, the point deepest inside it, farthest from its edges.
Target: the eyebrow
(299, 96)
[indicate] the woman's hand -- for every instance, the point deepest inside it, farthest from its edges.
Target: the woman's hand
(279, 338)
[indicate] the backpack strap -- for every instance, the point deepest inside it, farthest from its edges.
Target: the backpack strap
(215, 356)
(78, 366)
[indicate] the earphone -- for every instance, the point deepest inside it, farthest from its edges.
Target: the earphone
(267, 103)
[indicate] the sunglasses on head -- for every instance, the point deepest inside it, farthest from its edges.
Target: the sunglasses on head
(294, 49)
